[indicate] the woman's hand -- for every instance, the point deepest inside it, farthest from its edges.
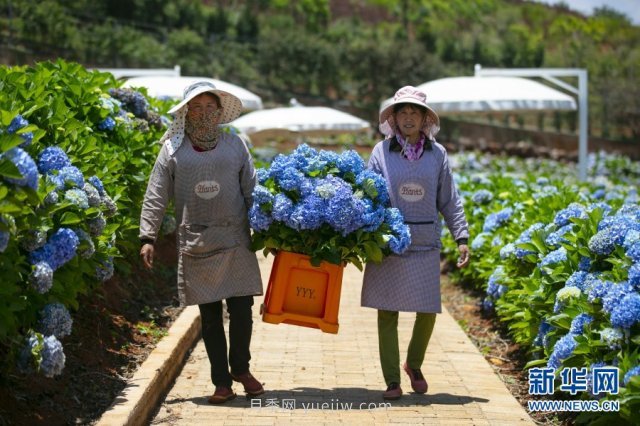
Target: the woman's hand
(146, 252)
(463, 260)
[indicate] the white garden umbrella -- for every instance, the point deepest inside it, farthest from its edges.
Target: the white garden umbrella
(300, 119)
(173, 87)
(483, 94)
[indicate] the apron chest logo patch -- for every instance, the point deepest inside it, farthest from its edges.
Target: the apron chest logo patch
(411, 192)
(207, 189)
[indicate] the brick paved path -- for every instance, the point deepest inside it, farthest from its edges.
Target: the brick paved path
(336, 378)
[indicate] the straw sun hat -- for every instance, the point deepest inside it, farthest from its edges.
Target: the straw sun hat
(409, 95)
(232, 104)
(174, 135)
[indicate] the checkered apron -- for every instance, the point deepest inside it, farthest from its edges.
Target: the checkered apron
(420, 189)
(212, 190)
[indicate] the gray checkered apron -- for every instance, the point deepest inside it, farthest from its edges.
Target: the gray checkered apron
(211, 191)
(420, 189)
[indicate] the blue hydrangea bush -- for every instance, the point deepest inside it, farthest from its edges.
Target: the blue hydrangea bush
(75, 153)
(559, 262)
(327, 206)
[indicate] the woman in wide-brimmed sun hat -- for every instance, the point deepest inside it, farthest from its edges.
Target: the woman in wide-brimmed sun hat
(209, 174)
(421, 186)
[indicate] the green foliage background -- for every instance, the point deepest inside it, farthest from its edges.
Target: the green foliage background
(343, 52)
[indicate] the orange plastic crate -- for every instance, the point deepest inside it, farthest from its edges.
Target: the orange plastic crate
(302, 294)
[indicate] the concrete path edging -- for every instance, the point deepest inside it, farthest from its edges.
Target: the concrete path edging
(145, 390)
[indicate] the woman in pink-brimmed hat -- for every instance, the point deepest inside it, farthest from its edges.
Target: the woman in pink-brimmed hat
(421, 186)
(209, 175)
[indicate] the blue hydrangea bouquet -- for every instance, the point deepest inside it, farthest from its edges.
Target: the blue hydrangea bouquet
(327, 206)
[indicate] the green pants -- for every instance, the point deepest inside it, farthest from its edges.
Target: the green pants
(389, 347)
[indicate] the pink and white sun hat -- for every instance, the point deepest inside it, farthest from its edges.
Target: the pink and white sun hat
(409, 95)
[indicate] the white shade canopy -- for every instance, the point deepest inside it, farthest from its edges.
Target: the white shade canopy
(173, 88)
(300, 119)
(481, 94)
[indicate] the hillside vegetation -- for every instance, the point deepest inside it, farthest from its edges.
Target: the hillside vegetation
(349, 53)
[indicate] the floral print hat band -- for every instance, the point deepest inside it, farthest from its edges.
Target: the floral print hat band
(175, 133)
(409, 95)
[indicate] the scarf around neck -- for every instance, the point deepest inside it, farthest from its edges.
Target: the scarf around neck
(411, 152)
(203, 131)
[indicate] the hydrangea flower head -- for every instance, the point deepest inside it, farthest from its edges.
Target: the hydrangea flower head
(482, 196)
(562, 350)
(55, 320)
(495, 220)
(41, 278)
(563, 217)
(580, 322)
(635, 371)
(626, 313)
(52, 158)
(53, 358)
(26, 166)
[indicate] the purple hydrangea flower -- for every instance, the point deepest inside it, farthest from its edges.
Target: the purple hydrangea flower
(282, 208)
(507, 251)
(72, 177)
(561, 351)
(52, 158)
(495, 220)
(258, 219)
(93, 196)
(480, 240)
(379, 183)
(107, 124)
(262, 196)
(26, 166)
(626, 313)
(401, 238)
(615, 294)
(104, 270)
(77, 197)
(482, 196)
(60, 249)
(53, 358)
(525, 238)
(579, 322)
(350, 162)
(96, 225)
(613, 337)
(33, 239)
(4, 240)
(635, 371)
(41, 278)
(543, 330)
(97, 184)
(634, 276)
(18, 123)
(573, 210)
(55, 320)
(554, 257)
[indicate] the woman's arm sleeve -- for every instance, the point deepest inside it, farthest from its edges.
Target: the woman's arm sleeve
(449, 202)
(157, 197)
(247, 176)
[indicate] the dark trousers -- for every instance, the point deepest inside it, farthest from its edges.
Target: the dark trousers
(215, 341)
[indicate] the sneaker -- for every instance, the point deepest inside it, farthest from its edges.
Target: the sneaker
(393, 392)
(222, 395)
(418, 383)
(251, 386)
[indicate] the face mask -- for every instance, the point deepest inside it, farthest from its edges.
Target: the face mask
(203, 129)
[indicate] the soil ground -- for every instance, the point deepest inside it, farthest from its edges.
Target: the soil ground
(113, 332)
